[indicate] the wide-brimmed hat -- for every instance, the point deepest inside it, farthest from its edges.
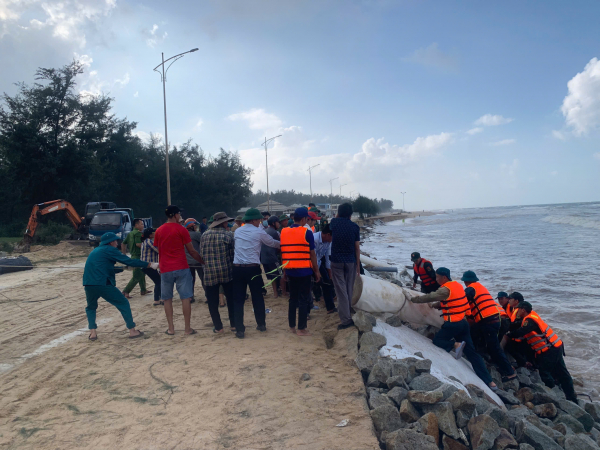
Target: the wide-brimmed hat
(469, 276)
(240, 218)
(109, 237)
(252, 214)
(283, 217)
(219, 218)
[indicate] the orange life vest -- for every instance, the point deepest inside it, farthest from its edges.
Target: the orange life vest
(422, 273)
(542, 342)
(483, 304)
(455, 308)
(295, 250)
(511, 312)
(312, 228)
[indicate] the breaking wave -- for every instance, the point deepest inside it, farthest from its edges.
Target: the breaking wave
(575, 221)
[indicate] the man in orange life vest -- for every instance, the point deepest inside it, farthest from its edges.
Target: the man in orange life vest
(517, 349)
(548, 348)
(455, 333)
(485, 313)
(300, 262)
(423, 269)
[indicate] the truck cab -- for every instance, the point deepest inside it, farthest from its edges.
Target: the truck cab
(117, 220)
(92, 208)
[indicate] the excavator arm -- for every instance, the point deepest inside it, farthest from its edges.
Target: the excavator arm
(42, 209)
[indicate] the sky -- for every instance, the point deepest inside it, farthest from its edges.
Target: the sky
(457, 104)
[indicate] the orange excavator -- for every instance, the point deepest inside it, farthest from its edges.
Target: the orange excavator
(42, 209)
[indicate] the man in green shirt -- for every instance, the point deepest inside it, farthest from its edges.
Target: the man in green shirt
(133, 243)
(99, 282)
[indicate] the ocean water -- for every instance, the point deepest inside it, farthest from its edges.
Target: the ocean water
(549, 253)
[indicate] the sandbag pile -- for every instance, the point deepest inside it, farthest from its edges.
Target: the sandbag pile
(14, 264)
(412, 409)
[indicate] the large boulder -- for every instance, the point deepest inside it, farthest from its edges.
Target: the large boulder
(379, 374)
(409, 440)
(505, 441)
(520, 412)
(462, 418)
(570, 422)
(404, 367)
(423, 366)
(394, 321)
(593, 409)
(452, 444)
(501, 417)
(525, 395)
(430, 427)
(445, 417)
(396, 381)
(364, 321)
(425, 397)
(425, 382)
(483, 431)
(447, 390)
(482, 405)
(512, 385)
(408, 412)
(507, 397)
(461, 401)
(397, 394)
(527, 433)
(386, 418)
(365, 360)
(546, 410)
(377, 399)
(579, 413)
(580, 442)
(373, 339)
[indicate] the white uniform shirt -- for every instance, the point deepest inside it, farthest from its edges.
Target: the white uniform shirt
(248, 240)
(322, 249)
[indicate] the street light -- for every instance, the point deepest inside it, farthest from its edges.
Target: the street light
(310, 176)
(403, 210)
(341, 188)
(351, 194)
(164, 79)
(331, 185)
(266, 143)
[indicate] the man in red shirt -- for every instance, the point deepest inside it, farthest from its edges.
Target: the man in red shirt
(172, 239)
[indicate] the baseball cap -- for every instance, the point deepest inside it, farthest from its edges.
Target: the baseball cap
(300, 213)
(273, 220)
(414, 256)
(313, 216)
(502, 294)
(283, 217)
(171, 210)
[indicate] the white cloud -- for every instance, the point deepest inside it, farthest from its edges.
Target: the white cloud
(153, 37)
(581, 107)
(199, 123)
(123, 82)
(432, 56)
(489, 120)
(258, 119)
(559, 135)
(503, 142)
(86, 60)
(476, 130)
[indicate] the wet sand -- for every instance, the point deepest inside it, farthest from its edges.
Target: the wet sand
(59, 390)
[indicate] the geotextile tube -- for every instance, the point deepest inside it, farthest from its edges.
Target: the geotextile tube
(374, 295)
(14, 264)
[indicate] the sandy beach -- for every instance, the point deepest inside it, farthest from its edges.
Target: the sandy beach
(185, 392)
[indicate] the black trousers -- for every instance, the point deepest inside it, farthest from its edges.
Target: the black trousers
(242, 278)
(452, 332)
(327, 287)
(212, 296)
(552, 367)
(200, 271)
(299, 298)
(521, 351)
(504, 327)
(487, 330)
(155, 277)
(429, 289)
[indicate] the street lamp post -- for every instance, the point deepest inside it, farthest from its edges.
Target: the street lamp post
(310, 177)
(164, 80)
(341, 185)
(403, 210)
(351, 194)
(331, 185)
(265, 144)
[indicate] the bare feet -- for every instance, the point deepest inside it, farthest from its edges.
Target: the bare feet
(304, 332)
(293, 330)
(232, 329)
(191, 331)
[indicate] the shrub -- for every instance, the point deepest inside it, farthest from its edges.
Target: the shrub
(51, 233)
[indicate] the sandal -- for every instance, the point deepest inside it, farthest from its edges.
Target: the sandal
(170, 334)
(93, 338)
(137, 335)
(126, 295)
(193, 332)
(146, 292)
(158, 304)
(505, 379)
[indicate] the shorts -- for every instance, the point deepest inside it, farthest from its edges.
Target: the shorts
(273, 269)
(182, 278)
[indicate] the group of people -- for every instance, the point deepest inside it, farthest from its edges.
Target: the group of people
(473, 319)
(303, 254)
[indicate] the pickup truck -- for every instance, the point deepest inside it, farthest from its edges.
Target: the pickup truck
(116, 220)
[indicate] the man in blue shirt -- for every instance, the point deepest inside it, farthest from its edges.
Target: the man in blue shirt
(99, 281)
(300, 262)
(345, 261)
(323, 250)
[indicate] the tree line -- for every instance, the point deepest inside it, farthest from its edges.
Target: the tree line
(57, 143)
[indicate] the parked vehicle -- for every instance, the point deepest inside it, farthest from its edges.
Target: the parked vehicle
(93, 207)
(116, 220)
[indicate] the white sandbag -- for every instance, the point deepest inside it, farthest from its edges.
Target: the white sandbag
(374, 295)
(370, 262)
